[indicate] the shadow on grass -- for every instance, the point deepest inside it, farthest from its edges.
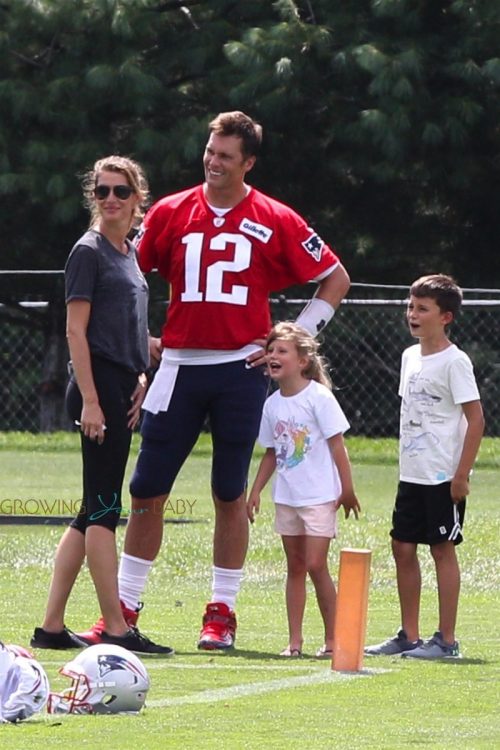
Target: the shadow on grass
(465, 661)
(252, 655)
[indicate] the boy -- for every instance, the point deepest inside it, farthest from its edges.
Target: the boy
(441, 428)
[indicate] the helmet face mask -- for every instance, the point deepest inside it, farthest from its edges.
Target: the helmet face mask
(72, 700)
(105, 679)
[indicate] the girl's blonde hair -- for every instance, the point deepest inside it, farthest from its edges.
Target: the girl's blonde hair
(133, 173)
(307, 346)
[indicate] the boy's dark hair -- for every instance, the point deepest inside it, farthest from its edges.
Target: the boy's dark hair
(442, 289)
(241, 125)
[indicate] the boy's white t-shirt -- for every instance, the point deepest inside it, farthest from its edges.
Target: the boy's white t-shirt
(432, 424)
(297, 427)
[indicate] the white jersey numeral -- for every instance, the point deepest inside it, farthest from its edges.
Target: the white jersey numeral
(215, 271)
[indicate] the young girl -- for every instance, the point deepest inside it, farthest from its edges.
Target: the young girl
(301, 428)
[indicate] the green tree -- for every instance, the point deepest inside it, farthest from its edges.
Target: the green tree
(78, 81)
(381, 118)
(382, 121)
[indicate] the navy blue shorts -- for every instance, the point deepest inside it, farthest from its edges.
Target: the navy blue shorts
(426, 514)
(231, 396)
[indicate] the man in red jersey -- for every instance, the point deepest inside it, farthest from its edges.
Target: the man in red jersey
(223, 246)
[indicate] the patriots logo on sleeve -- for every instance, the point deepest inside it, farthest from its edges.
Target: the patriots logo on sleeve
(140, 234)
(314, 246)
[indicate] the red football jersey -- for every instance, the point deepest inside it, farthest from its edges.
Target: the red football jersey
(222, 269)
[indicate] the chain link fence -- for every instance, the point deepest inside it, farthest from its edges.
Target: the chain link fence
(363, 345)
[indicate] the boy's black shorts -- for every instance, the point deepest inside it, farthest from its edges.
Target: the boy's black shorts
(426, 514)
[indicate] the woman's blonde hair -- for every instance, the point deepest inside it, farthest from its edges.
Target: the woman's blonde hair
(307, 346)
(133, 173)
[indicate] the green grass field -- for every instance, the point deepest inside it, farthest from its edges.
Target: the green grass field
(252, 698)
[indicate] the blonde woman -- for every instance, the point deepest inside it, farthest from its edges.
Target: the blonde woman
(107, 301)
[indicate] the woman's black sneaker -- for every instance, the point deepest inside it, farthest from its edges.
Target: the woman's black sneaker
(64, 639)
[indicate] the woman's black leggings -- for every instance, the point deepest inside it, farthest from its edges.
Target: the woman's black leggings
(104, 465)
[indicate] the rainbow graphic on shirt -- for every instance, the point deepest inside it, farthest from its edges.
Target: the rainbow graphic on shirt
(293, 442)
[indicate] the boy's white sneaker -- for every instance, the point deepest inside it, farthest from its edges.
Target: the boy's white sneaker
(434, 648)
(393, 646)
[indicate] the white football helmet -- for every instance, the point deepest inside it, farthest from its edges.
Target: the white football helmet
(19, 650)
(105, 679)
(24, 686)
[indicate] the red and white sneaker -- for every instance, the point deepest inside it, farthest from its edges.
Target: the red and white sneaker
(93, 635)
(219, 627)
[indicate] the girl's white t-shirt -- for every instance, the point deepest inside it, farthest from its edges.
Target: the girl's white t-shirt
(297, 427)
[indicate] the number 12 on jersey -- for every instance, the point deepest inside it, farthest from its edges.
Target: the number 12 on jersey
(215, 271)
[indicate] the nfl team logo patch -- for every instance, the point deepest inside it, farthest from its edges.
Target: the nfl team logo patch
(314, 246)
(140, 234)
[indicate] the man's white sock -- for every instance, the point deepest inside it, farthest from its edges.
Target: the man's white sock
(132, 577)
(226, 584)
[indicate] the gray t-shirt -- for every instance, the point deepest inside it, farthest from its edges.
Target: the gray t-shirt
(117, 290)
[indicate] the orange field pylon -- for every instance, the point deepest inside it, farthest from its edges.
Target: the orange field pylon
(352, 610)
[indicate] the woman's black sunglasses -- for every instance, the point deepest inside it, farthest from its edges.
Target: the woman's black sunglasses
(122, 192)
